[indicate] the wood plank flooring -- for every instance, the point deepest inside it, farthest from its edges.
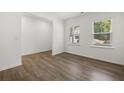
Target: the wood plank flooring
(63, 67)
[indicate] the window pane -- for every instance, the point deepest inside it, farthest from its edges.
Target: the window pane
(97, 27)
(76, 30)
(71, 39)
(106, 25)
(102, 39)
(76, 39)
(102, 26)
(74, 34)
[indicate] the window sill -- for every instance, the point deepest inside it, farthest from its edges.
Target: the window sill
(107, 47)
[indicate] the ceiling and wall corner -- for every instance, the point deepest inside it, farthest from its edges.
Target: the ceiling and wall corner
(56, 15)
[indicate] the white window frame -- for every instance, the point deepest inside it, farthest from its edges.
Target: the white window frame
(72, 28)
(111, 35)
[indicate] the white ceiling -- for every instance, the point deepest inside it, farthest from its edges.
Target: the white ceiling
(60, 15)
(65, 15)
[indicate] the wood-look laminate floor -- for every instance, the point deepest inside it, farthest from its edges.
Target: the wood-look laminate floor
(63, 67)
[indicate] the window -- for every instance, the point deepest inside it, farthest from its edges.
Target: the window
(102, 33)
(74, 35)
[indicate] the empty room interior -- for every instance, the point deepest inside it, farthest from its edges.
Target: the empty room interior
(61, 46)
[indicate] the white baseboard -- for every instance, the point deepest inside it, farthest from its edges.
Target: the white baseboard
(57, 53)
(10, 66)
(34, 52)
(110, 61)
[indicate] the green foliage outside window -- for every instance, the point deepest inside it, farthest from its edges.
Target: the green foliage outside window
(102, 26)
(102, 34)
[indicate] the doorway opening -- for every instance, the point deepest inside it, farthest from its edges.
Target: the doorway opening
(36, 35)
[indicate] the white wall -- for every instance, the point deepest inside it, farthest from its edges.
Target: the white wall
(36, 35)
(10, 43)
(115, 55)
(58, 37)
(58, 31)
